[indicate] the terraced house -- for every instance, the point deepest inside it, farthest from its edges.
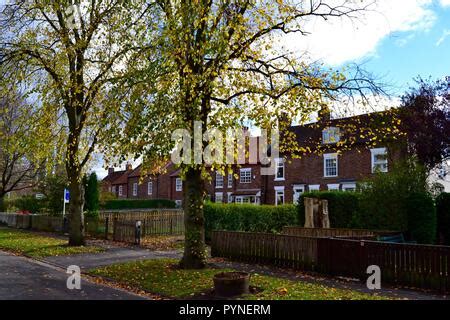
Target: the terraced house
(337, 153)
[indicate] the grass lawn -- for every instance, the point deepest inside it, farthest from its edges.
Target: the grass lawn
(162, 277)
(36, 245)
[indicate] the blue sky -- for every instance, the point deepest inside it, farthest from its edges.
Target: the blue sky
(402, 56)
(397, 39)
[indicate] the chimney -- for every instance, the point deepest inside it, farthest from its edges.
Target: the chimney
(324, 113)
(129, 167)
(110, 170)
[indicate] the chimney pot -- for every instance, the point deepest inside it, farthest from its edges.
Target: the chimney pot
(110, 170)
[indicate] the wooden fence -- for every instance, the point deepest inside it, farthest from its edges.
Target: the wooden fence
(338, 233)
(158, 222)
(410, 265)
(280, 250)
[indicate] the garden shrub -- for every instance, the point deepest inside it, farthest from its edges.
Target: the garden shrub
(421, 218)
(28, 203)
(92, 195)
(443, 218)
(138, 204)
(248, 217)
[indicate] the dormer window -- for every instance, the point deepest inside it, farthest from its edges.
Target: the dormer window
(331, 135)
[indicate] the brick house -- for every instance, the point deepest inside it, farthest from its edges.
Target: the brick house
(330, 164)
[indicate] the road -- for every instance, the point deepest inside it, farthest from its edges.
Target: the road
(25, 279)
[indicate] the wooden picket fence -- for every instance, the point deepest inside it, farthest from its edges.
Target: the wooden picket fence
(158, 222)
(280, 250)
(408, 265)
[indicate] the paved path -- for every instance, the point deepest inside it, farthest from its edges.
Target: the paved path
(111, 256)
(25, 279)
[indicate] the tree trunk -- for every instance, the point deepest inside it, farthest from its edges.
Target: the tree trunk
(195, 249)
(2, 203)
(76, 216)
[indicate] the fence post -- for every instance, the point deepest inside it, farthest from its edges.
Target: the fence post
(137, 233)
(65, 225)
(106, 227)
(114, 227)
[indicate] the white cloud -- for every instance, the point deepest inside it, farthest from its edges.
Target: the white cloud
(339, 40)
(444, 36)
(445, 3)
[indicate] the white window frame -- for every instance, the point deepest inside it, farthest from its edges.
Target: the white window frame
(229, 197)
(314, 187)
(331, 135)
(330, 156)
(135, 189)
(245, 173)
(230, 180)
(120, 190)
(279, 190)
(347, 186)
(219, 180)
(150, 188)
(296, 195)
(218, 195)
(375, 152)
(279, 163)
(178, 185)
(179, 203)
(333, 187)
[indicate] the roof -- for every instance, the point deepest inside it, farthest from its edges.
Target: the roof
(111, 177)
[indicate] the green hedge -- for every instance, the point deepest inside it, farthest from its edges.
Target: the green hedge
(421, 218)
(443, 217)
(414, 214)
(27, 203)
(343, 208)
(138, 204)
(251, 218)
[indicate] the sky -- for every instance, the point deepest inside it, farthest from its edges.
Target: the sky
(396, 40)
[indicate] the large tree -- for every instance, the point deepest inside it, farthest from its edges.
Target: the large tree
(425, 115)
(71, 54)
(222, 67)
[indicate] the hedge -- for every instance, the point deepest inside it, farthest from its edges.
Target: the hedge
(443, 218)
(138, 204)
(343, 208)
(247, 217)
(421, 218)
(27, 203)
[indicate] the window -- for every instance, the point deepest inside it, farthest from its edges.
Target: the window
(179, 203)
(331, 135)
(135, 189)
(279, 169)
(246, 175)
(230, 197)
(113, 189)
(219, 197)
(120, 191)
(150, 188)
(230, 180)
(219, 181)
(330, 165)
(298, 190)
(245, 199)
(379, 160)
(333, 187)
(314, 187)
(178, 184)
(279, 196)
(349, 187)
